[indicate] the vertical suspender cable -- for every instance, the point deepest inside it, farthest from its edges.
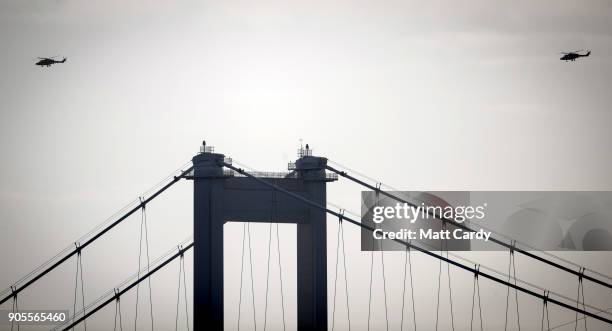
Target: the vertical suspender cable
(280, 277)
(382, 262)
(512, 271)
(144, 214)
(450, 291)
(15, 309)
(408, 264)
(372, 274)
(252, 280)
(340, 241)
(444, 248)
(280, 265)
(268, 275)
(117, 311)
(185, 294)
(336, 279)
(241, 273)
(143, 228)
(545, 312)
(475, 293)
(82, 288)
(580, 290)
(79, 271)
(348, 311)
(438, 297)
(178, 296)
(246, 233)
(178, 293)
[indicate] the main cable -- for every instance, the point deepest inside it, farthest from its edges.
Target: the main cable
(17, 289)
(425, 251)
(483, 227)
(465, 227)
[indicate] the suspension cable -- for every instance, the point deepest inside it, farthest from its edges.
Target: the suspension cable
(143, 224)
(382, 261)
(465, 227)
(370, 292)
(408, 264)
(274, 219)
(340, 241)
(522, 244)
(280, 277)
(545, 312)
(580, 289)
(178, 295)
(335, 279)
(450, 291)
(252, 279)
(79, 271)
(185, 294)
(241, 273)
(268, 275)
(280, 265)
(512, 271)
(246, 235)
(15, 310)
(371, 275)
(117, 311)
(423, 250)
(438, 296)
(444, 248)
(348, 310)
(475, 293)
(87, 242)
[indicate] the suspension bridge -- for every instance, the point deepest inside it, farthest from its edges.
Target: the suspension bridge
(223, 191)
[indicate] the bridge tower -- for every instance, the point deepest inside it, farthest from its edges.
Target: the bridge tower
(222, 196)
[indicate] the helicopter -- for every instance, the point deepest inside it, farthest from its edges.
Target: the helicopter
(48, 61)
(573, 55)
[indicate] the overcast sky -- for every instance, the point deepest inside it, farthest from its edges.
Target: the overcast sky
(423, 95)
